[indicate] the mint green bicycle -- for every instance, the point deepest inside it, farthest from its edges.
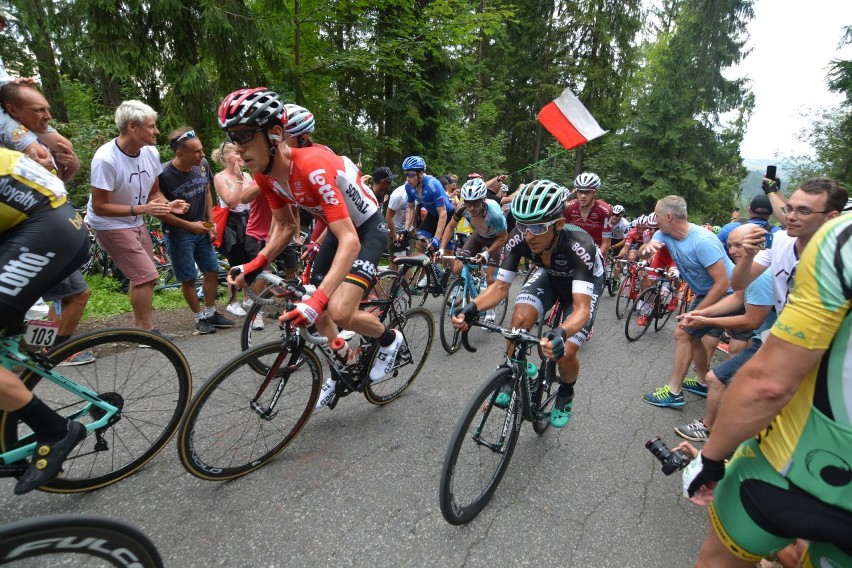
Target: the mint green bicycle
(131, 399)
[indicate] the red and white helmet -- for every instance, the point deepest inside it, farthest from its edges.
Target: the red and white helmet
(252, 107)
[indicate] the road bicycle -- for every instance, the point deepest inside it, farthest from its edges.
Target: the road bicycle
(256, 404)
(631, 286)
(387, 284)
(656, 303)
(610, 280)
(130, 399)
(460, 292)
(485, 436)
(76, 540)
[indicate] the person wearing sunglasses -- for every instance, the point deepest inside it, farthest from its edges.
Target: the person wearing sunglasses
(568, 261)
(811, 205)
(426, 191)
(589, 213)
(487, 223)
(330, 188)
(189, 237)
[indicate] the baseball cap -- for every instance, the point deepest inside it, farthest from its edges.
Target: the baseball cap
(383, 173)
(5, 15)
(761, 205)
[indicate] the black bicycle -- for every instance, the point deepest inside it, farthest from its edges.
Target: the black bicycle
(76, 540)
(487, 432)
(256, 404)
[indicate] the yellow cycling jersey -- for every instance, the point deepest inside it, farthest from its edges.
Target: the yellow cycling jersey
(810, 441)
(25, 187)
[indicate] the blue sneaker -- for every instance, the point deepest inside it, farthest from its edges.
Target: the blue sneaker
(663, 397)
(692, 385)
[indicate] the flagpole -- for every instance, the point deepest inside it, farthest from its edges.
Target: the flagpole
(525, 168)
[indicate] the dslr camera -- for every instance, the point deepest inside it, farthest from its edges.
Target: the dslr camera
(671, 461)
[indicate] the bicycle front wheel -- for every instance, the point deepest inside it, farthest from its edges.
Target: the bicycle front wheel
(610, 280)
(260, 324)
(479, 451)
(418, 328)
(59, 540)
(663, 315)
(454, 300)
(241, 418)
(641, 313)
(142, 374)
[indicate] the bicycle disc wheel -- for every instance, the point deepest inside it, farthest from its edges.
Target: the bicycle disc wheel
(418, 327)
(454, 300)
(545, 395)
(56, 540)
(623, 301)
(224, 435)
(479, 452)
(635, 327)
(141, 373)
(269, 314)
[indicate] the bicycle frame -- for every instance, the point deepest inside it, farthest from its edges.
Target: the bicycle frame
(523, 343)
(13, 356)
(353, 376)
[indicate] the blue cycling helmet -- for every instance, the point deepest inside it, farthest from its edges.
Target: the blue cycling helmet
(415, 163)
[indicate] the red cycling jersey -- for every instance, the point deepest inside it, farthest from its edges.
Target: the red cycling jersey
(598, 223)
(632, 237)
(324, 184)
(663, 259)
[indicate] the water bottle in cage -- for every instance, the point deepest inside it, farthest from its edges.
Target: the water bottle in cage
(665, 294)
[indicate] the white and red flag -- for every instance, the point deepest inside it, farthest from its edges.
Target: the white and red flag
(568, 120)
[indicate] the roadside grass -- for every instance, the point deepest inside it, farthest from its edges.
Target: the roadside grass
(108, 300)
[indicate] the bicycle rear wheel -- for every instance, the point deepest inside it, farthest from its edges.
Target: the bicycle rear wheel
(61, 540)
(500, 311)
(622, 303)
(418, 328)
(455, 299)
(479, 452)
(141, 373)
(227, 434)
(644, 307)
(609, 279)
(663, 316)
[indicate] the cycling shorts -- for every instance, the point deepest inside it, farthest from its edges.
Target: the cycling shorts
(35, 255)
(373, 234)
(542, 292)
(756, 512)
(476, 244)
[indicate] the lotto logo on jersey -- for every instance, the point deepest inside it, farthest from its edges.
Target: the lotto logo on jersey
(317, 178)
(368, 267)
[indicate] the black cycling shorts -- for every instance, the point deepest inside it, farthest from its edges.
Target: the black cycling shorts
(373, 234)
(37, 254)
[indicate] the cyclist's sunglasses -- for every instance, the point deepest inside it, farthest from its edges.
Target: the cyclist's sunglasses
(534, 229)
(242, 136)
(473, 202)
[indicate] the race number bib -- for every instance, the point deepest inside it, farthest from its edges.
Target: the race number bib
(41, 333)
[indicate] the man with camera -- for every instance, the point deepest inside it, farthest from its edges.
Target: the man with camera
(788, 419)
(815, 202)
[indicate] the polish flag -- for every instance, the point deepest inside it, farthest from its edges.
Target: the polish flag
(568, 120)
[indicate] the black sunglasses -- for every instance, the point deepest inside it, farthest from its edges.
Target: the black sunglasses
(242, 136)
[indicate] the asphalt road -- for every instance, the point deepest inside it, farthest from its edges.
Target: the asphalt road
(359, 486)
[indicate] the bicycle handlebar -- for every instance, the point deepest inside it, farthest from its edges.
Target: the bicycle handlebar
(514, 335)
(298, 291)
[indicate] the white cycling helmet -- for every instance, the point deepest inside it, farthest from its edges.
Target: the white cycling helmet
(587, 180)
(473, 189)
(651, 221)
(618, 210)
(299, 120)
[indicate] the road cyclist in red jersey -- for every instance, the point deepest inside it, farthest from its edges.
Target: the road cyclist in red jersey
(330, 188)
